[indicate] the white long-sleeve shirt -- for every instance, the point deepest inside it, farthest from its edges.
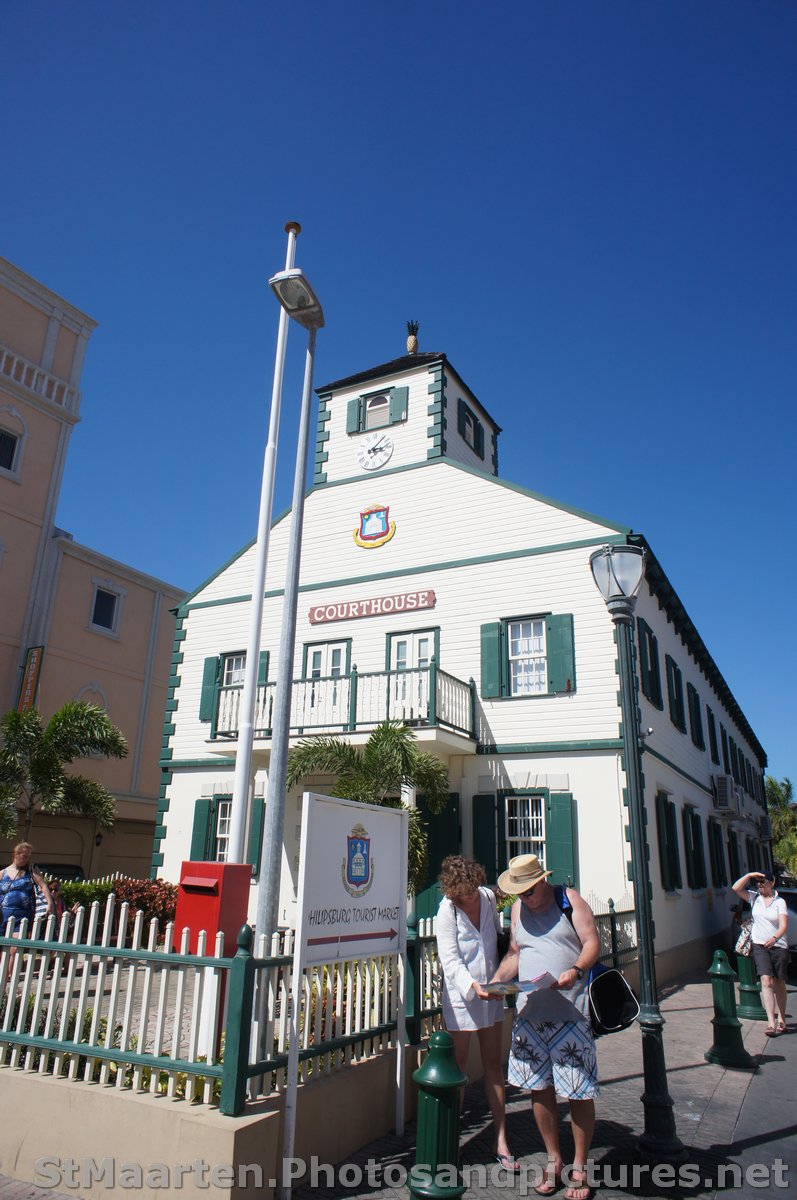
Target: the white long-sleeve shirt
(467, 953)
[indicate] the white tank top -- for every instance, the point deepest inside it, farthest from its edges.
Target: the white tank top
(548, 942)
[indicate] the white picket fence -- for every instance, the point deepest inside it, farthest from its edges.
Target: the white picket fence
(100, 999)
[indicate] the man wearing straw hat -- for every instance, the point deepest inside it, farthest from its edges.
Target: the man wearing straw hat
(553, 1051)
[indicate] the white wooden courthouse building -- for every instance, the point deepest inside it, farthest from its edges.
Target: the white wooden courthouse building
(435, 592)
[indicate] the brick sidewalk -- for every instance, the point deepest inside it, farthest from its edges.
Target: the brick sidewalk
(708, 1101)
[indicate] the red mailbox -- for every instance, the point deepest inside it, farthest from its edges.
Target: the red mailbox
(213, 896)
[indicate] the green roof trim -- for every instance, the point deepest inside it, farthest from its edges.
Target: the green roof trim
(549, 747)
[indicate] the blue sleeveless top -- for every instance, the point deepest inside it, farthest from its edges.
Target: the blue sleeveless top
(17, 898)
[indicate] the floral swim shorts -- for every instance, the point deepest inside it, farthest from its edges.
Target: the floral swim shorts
(558, 1054)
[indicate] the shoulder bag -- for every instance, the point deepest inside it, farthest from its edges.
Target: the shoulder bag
(612, 1003)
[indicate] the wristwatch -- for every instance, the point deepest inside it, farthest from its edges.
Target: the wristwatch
(578, 971)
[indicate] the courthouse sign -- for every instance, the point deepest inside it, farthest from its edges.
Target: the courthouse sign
(346, 610)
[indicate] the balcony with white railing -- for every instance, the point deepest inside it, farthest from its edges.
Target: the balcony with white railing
(423, 697)
(35, 379)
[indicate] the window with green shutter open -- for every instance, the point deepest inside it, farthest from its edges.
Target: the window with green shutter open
(528, 656)
(374, 410)
(649, 663)
(695, 716)
(675, 693)
(667, 830)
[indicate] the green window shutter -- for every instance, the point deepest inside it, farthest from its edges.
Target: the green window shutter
(491, 659)
(686, 820)
(353, 410)
(256, 833)
(661, 830)
(461, 410)
(649, 663)
(398, 404)
(479, 439)
(642, 635)
(725, 758)
(672, 846)
(561, 654)
(489, 845)
(712, 852)
(200, 833)
(559, 849)
(207, 697)
(700, 852)
(712, 737)
(262, 668)
(675, 694)
(695, 717)
(734, 763)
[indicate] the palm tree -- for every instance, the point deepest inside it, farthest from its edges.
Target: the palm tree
(783, 820)
(32, 761)
(374, 774)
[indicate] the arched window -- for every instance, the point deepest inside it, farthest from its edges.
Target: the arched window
(377, 412)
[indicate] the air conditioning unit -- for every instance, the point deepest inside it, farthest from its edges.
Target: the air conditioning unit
(724, 793)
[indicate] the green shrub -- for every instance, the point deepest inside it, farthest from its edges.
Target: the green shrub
(85, 892)
(155, 897)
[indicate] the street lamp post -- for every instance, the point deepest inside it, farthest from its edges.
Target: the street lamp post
(246, 713)
(301, 304)
(618, 572)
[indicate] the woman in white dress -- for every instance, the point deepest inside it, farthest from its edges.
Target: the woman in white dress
(467, 925)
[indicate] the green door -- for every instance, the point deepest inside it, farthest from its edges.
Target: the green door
(443, 838)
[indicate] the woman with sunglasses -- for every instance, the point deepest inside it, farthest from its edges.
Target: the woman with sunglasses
(770, 948)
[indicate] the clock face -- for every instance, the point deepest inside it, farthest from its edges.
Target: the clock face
(375, 450)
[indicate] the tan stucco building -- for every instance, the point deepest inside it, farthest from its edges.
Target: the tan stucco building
(73, 623)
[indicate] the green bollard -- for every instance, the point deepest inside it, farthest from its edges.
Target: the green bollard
(750, 1005)
(436, 1174)
(728, 1049)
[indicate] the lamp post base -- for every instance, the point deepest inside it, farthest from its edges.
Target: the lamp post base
(660, 1140)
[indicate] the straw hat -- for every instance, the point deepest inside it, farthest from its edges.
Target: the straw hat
(524, 872)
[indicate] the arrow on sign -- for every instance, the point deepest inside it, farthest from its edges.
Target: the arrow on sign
(353, 937)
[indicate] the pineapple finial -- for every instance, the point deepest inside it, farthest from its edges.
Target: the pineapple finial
(412, 337)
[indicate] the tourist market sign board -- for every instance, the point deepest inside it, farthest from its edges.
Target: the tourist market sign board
(353, 880)
(375, 606)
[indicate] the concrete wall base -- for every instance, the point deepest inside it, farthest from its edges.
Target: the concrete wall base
(91, 1140)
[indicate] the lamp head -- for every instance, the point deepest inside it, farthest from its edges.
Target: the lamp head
(297, 297)
(618, 572)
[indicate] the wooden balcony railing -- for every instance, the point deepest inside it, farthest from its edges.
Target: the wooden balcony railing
(357, 701)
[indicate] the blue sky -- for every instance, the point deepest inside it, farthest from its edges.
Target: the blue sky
(590, 207)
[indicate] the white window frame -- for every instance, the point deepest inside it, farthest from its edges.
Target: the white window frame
(533, 680)
(524, 829)
(380, 405)
(221, 834)
(105, 585)
(233, 669)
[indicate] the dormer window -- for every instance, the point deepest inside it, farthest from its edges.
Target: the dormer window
(374, 410)
(377, 412)
(470, 428)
